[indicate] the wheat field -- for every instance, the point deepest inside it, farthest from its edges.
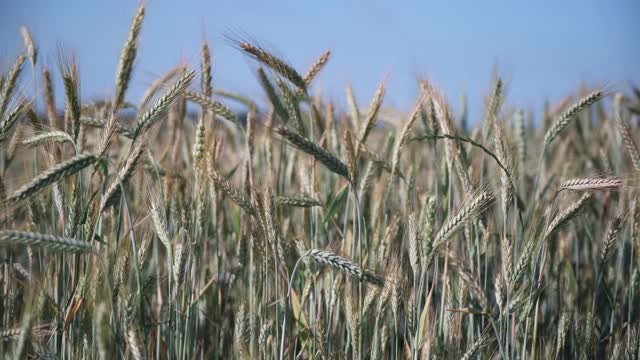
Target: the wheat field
(199, 223)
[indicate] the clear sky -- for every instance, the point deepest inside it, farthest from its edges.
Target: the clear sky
(543, 49)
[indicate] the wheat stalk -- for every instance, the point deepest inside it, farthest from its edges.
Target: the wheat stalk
(69, 70)
(296, 201)
(345, 265)
(625, 133)
(588, 184)
(205, 66)
(127, 57)
(216, 107)
(474, 207)
(158, 84)
(372, 112)
(273, 62)
(403, 136)
(564, 119)
(231, 191)
(442, 113)
(98, 124)
(353, 106)
(291, 106)
(49, 97)
(11, 119)
(162, 105)
(137, 352)
(521, 142)
(55, 136)
(29, 44)
(484, 340)
(412, 231)
(352, 162)
(272, 95)
(9, 84)
(315, 68)
(332, 163)
(11, 239)
(159, 224)
(123, 176)
(53, 174)
(567, 214)
(199, 143)
(610, 242)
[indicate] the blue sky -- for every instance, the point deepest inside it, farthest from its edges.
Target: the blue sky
(543, 49)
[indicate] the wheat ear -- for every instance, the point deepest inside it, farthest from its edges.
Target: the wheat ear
(160, 107)
(11, 238)
(329, 160)
(127, 58)
(562, 122)
(586, 184)
(345, 265)
(625, 133)
(478, 204)
(274, 63)
(9, 83)
(52, 175)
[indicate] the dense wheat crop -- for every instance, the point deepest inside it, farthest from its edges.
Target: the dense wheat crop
(144, 229)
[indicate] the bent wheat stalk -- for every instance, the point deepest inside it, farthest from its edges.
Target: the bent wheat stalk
(153, 114)
(316, 67)
(9, 83)
(216, 107)
(232, 192)
(345, 265)
(564, 119)
(55, 136)
(52, 175)
(625, 133)
(11, 238)
(296, 201)
(114, 191)
(274, 63)
(586, 184)
(329, 160)
(476, 206)
(567, 214)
